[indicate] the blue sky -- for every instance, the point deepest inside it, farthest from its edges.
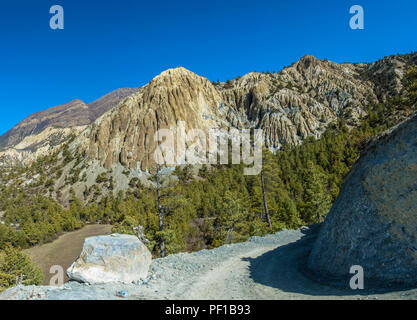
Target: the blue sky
(112, 44)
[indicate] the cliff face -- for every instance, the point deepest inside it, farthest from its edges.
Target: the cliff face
(126, 134)
(373, 222)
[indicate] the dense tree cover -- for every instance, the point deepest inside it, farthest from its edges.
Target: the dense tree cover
(33, 219)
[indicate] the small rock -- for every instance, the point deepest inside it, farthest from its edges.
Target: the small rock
(123, 294)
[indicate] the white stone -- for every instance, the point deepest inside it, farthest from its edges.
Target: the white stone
(114, 258)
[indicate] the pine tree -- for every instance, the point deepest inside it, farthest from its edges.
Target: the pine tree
(270, 182)
(268, 218)
(15, 266)
(317, 200)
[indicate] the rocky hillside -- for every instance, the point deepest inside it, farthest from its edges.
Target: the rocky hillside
(72, 114)
(125, 135)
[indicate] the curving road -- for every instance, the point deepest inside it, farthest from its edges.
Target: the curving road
(263, 268)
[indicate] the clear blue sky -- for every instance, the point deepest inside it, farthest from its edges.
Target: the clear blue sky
(112, 44)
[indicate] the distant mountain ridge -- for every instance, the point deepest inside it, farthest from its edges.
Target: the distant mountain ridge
(72, 114)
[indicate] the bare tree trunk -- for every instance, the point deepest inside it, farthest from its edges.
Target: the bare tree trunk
(268, 219)
(158, 195)
(160, 213)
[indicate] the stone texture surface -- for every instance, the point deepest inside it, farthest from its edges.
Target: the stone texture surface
(114, 258)
(125, 134)
(373, 222)
(73, 113)
(37, 145)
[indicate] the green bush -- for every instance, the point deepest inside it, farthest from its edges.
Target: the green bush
(16, 266)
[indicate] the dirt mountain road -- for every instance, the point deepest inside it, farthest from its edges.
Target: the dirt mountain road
(271, 267)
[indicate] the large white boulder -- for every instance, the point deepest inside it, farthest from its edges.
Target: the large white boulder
(113, 258)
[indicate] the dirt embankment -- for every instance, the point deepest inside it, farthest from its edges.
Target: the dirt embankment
(64, 250)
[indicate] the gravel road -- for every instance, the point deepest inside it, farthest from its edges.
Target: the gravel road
(270, 267)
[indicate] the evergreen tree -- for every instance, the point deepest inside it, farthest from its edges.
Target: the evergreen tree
(16, 267)
(317, 200)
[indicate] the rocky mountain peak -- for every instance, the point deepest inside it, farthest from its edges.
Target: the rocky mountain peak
(308, 61)
(177, 78)
(125, 135)
(298, 102)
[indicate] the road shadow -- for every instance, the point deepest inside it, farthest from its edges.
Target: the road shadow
(285, 268)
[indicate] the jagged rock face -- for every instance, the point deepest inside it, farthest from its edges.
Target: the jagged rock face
(373, 222)
(320, 92)
(315, 93)
(387, 74)
(114, 258)
(126, 134)
(34, 146)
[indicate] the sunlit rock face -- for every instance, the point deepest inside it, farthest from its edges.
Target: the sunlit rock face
(44, 132)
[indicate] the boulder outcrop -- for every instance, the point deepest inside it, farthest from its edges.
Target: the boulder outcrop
(373, 222)
(114, 258)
